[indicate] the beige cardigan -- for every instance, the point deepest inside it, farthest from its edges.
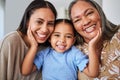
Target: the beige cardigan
(110, 60)
(12, 52)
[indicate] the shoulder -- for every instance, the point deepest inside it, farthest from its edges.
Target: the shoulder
(76, 51)
(117, 35)
(11, 38)
(44, 51)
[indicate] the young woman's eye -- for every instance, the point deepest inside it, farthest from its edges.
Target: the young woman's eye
(39, 22)
(51, 24)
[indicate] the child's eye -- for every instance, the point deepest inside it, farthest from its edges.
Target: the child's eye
(56, 35)
(69, 36)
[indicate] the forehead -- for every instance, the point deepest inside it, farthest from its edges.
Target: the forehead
(80, 7)
(82, 4)
(44, 13)
(63, 26)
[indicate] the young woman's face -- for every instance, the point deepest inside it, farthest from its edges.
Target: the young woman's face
(86, 20)
(62, 38)
(42, 24)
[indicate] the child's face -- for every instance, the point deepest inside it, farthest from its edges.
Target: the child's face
(62, 38)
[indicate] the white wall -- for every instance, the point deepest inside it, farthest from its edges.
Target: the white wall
(1, 18)
(62, 6)
(112, 10)
(15, 8)
(99, 2)
(13, 13)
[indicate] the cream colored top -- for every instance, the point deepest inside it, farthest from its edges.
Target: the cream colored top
(110, 60)
(12, 52)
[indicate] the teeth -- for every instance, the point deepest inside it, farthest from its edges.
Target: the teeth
(40, 35)
(90, 29)
(61, 47)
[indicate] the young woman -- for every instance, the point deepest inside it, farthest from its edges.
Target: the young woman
(38, 21)
(88, 18)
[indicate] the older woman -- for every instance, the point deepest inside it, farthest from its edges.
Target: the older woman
(88, 18)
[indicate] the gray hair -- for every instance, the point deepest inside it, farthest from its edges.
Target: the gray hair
(108, 28)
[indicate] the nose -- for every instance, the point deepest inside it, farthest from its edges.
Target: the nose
(85, 21)
(62, 40)
(44, 28)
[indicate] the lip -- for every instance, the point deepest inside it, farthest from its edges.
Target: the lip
(61, 47)
(41, 36)
(89, 29)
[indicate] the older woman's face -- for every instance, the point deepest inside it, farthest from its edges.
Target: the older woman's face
(86, 20)
(42, 24)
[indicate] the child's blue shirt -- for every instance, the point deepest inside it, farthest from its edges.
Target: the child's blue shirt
(60, 66)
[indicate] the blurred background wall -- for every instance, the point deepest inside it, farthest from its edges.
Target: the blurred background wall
(11, 12)
(2, 11)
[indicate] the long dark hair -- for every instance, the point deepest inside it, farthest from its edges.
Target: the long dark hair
(36, 4)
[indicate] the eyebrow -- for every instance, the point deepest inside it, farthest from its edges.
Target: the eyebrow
(83, 13)
(65, 33)
(70, 34)
(44, 20)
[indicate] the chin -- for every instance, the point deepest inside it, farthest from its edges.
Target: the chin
(43, 41)
(93, 34)
(60, 51)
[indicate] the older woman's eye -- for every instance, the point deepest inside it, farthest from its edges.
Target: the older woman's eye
(77, 20)
(89, 13)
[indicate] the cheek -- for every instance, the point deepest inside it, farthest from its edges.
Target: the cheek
(52, 41)
(51, 30)
(32, 27)
(78, 28)
(98, 21)
(96, 18)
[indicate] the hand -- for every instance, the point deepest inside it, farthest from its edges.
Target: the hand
(31, 38)
(94, 42)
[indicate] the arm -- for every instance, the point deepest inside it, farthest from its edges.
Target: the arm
(92, 69)
(27, 65)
